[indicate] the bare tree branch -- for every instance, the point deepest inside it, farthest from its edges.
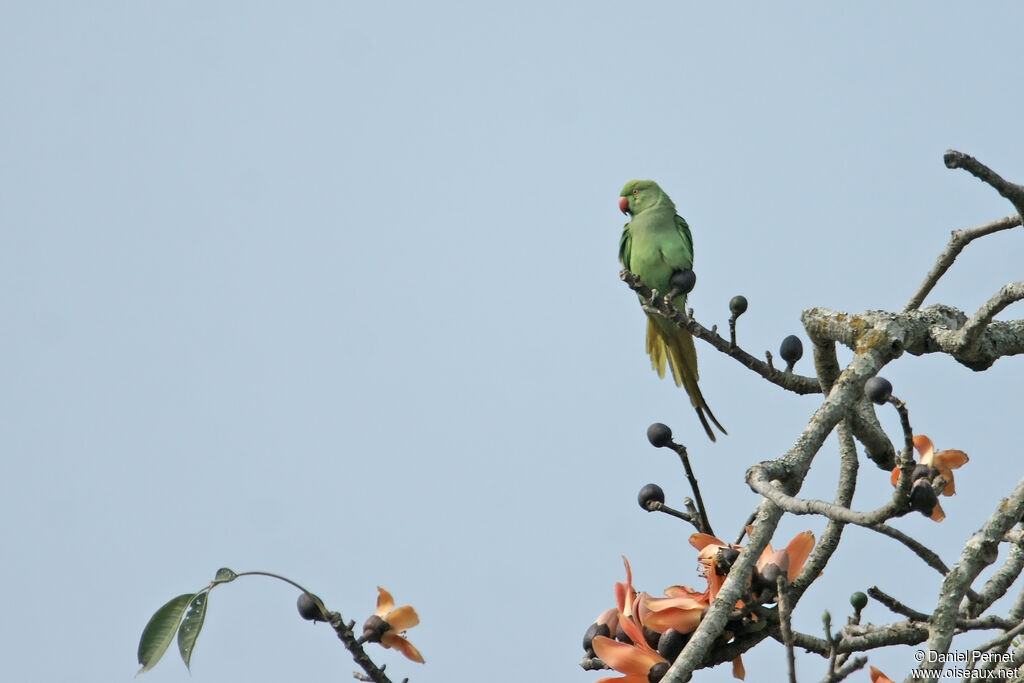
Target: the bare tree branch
(977, 323)
(658, 305)
(957, 242)
(1011, 191)
(980, 551)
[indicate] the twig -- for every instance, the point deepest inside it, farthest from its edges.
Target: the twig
(977, 323)
(704, 524)
(1000, 581)
(895, 605)
(1000, 642)
(743, 531)
(758, 480)
(957, 242)
(1011, 191)
(855, 664)
(657, 305)
(832, 651)
(346, 636)
(784, 626)
(655, 506)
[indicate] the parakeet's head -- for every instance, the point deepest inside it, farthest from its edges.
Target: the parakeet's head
(638, 195)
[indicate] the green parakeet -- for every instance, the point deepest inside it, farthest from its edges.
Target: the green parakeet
(655, 243)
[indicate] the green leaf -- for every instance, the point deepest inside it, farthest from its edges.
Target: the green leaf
(160, 631)
(224, 575)
(191, 625)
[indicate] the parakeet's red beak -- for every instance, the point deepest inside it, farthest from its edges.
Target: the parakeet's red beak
(623, 205)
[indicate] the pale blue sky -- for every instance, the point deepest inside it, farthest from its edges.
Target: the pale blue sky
(331, 291)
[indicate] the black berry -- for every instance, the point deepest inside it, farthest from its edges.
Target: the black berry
(683, 280)
(878, 389)
(659, 435)
(308, 607)
(651, 493)
(791, 349)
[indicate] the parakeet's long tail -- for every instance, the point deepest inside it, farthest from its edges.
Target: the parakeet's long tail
(677, 348)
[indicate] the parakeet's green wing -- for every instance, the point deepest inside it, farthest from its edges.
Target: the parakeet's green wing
(624, 244)
(684, 231)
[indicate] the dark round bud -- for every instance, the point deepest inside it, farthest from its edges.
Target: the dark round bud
(859, 600)
(878, 389)
(725, 559)
(594, 631)
(683, 280)
(923, 498)
(651, 493)
(308, 607)
(659, 435)
(620, 635)
(738, 305)
(770, 574)
(672, 643)
(652, 637)
(923, 472)
(791, 349)
(657, 672)
(373, 628)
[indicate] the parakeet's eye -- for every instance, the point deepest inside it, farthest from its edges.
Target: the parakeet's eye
(635, 192)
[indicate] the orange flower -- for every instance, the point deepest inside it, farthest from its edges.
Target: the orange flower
(681, 609)
(879, 677)
(930, 465)
(789, 562)
(716, 559)
(388, 624)
(638, 661)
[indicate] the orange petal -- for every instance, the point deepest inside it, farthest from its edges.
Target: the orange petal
(780, 558)
(766, 556)
(678, 602)
(799, 549)
(879, 677)
(632, 629)
(947, 475)
(684, 591)
(925, 448)
(682, 620)
(624, 658)
(385, 603)
(625, 594)
(403, 618)
(937, 514)
(632, 678)
(951, 459)
(737, 669)
(392, 639)
(700, 541)
(610, 617)
(947, 461)
(895, 475)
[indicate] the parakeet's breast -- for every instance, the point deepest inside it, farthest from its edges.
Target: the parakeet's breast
(656, 250)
